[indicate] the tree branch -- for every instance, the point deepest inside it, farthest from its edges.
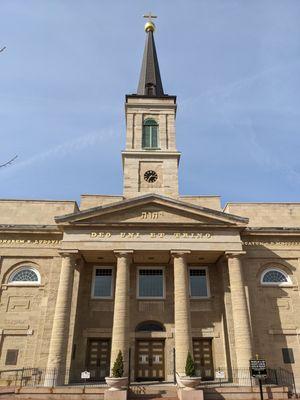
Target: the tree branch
(8, 162)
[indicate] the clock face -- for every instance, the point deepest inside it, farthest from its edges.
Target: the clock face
(150, 176)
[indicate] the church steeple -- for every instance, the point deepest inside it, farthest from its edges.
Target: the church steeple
(150, 158)
(150, 81)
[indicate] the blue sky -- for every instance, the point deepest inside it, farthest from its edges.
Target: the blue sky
(234, 65)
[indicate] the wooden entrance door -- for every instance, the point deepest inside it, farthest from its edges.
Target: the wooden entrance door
(202, 349)
(150, 359)
(98, 358)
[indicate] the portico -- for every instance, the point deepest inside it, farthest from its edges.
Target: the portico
(161, 271)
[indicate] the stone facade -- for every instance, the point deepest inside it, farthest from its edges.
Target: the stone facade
(241, 316)
(58, 322)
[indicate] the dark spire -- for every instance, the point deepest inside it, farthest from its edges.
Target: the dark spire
(150, 80)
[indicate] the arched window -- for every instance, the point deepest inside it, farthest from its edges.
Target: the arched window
(150, 134)
(275, 276)
(25, 275)
(150, 326)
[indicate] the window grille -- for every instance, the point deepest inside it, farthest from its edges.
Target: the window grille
(198, 282)
(150, 326)
(102, 282)
(150, 134)
(151, 283)
(24, 274)
(274, 276)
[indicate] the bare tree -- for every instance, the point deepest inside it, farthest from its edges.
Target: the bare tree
(9, 162)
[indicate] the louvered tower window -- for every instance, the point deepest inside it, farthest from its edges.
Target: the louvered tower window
(150, 134)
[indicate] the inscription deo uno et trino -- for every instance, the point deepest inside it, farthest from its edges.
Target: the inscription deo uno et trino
(152, 235)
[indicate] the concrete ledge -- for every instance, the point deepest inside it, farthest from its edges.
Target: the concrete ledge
(101, 393)
(245, 393)
(57, 393)
(190, 394)
(115, 394)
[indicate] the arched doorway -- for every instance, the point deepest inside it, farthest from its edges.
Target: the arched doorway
(150, 352)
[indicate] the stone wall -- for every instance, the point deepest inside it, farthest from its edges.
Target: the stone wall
(26, 312)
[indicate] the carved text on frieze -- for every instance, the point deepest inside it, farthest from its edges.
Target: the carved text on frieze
(50, 242)
(152, 235)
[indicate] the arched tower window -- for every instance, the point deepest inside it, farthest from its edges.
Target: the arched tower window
(25, 275)
(275, 276)
(150, 134)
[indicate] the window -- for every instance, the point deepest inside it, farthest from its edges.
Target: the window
(11, 357)
(25, 275)
(150, 134)
(150, 282)
(150, 326)
(198, 282)
(288, 356)
(102, 283)
(275, 277)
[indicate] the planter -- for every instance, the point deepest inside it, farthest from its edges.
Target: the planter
(117, 383)
(190, 382)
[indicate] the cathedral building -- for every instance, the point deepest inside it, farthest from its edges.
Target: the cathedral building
(151, 273)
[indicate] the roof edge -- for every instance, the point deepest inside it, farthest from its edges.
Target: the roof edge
(67, 217)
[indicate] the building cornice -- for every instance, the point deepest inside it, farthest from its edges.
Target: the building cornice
(263, 231)
(43, 229)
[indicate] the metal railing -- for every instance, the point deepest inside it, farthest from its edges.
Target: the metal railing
(39, 377)
(242, 377)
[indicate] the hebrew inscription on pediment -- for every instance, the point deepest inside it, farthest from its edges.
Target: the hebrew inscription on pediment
(153, 214)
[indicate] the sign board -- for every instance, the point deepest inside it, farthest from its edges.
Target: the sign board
(85, 375)
(220, 375)
(258, 368)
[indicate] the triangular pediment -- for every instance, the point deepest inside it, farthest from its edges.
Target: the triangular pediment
(151, 209)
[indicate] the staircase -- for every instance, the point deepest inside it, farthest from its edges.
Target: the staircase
(152, 391)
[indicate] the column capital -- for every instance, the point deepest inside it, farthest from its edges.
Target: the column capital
(123, 253)
(180, 253)
(73, 254)
(233, 254)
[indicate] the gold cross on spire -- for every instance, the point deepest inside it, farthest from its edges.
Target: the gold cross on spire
(150, 16)
(150, 24)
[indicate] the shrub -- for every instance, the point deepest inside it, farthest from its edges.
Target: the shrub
(190, 366)
(118, 368)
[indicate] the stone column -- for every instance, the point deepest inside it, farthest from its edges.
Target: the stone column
(240, 314)
(60, 329)
(121, 326)
(183, 338)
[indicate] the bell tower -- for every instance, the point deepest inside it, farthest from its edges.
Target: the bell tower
(150, 159)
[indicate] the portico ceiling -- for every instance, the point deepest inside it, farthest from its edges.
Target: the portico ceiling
(151, 257)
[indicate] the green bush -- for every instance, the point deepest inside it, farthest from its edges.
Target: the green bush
(118, 368)
(190, 366)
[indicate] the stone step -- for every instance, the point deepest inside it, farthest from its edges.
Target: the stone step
(56, 393)
(152, 391)
(152, 397)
